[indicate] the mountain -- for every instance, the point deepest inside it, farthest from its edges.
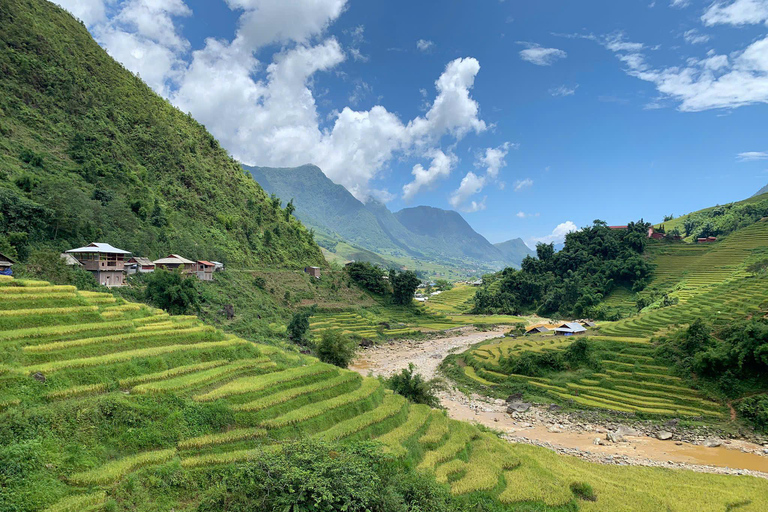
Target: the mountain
(88, 152)
(762, 191)
(451, 232)
(421, 234)
(515, 250)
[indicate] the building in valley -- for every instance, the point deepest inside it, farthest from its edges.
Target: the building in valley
(141, 265)
(105, 262)
(205, 270)
(5, 265)
(174, 261)
(569, 329)
(313, 271)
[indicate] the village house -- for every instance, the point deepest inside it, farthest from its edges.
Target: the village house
(704, 240)
(139, 264)
(105, 262)
(539, 329)
(569, 329)
(217, 266)
(70, 260)
(174, 261)
(5, 265)
(656, 235)
(313, 271)
(588, 323)
(205, 270)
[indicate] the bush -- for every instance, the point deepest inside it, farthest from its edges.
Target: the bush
(298, 328)
(583, 491)
(413, 386)
(368, 276)
(336, 348)
(404, 285)
(755, 410)
(172, 292)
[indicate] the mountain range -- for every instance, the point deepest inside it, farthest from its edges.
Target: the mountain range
(422, 233)
(762, 191)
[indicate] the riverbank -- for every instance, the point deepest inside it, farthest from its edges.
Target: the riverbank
(606, 442)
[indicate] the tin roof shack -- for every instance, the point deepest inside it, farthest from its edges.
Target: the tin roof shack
(569, 329)
(5, 265)
(70, 260)
(141, 265)
(313, 271)
(588, 323)
(218, 266)
(205, 270)
(539, 329)
(175, 261)
(105, 262)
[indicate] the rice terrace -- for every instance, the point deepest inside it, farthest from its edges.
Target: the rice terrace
(338, 255)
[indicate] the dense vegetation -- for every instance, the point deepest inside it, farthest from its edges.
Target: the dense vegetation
(573, 281)
(731, 361)
(400, 285)
(415, 387)
(721, 220)
(89, 153)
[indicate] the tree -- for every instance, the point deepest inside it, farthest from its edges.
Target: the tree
(443, 285)
(289, 209)
(404, 285)
(545, 251)
(519, 329)
(336, 348)
(172, 292)
(299, 325)
(368, 276)
(414, 387)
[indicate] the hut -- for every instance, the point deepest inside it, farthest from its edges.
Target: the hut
(539, 329)
(569, 329)
(104, 261)
(587, 324)
(141, 265)
(313, 271)
(5, 265)
(205, 270)
(174, 261)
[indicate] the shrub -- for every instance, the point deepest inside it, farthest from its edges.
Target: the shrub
(413, 386)
(583, 491)
(755, 409)
(299, 325)
(336, 348)
(404, 285)
(172, 292)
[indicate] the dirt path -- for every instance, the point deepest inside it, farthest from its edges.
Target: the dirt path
(558, 432)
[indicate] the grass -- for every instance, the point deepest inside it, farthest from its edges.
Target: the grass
(229, 436)
(203, 377)
(282, 397)
(390, 407)
(113, 471)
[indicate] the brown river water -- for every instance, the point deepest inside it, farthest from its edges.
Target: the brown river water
(427, 355)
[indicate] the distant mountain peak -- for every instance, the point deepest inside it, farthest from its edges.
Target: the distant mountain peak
(762, 191)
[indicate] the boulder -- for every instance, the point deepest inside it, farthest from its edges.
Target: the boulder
(624, 430)
(664, 435)
(614, 438)
(38, 377)
(515, 397)
(672, 423)
(598, 442)
(554, 408)
(518, 406)
(712, 443)
(366, 343)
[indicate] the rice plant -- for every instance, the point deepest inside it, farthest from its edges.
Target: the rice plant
(390, 407)
(171, 372)
(74, 391)
(47, 311)
(262, 382)
(202, 377)
(212, 459)
(437, 429)
(293, 393)
(78, 502)
(459, 436)
(230, 436)
(394, 439)
(113, 471)
(121, 338)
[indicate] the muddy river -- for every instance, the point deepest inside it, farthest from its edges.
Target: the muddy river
(539, 429)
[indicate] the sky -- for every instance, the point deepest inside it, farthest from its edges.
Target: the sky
(530, 118)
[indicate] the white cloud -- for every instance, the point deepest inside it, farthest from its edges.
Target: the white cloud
(714, 81)
(737, 12)
(751, 156)
(523, 215)
(558, 234)
(537, 54)
(693, 36)
(492, 160)
(424, 45)
(680, 4)
(563, 90)
(523, 184)
(89, 11)
(441, 167)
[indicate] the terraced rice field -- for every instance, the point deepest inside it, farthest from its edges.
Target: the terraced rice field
(452, 301)
(101, 354)
(710, 281)
(629, 380)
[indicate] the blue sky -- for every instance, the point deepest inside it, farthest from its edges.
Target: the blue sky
(531, 118)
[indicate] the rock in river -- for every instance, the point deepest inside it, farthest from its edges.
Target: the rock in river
(664, 435)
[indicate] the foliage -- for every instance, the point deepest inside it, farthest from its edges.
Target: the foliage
(759, 267)
(404, 285)
(443, 285)
(722, 220)
(584, 491)
(172, 291)
(90, 153)
(594, 261)
(755, 409)
(298, 328)
(336, 348)
(368, 276)
(47, 265)
(414, 387)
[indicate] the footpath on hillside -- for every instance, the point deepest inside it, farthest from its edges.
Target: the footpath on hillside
(597, 440)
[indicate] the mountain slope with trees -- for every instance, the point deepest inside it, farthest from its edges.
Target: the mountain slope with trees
(515, 250)
(89, 153)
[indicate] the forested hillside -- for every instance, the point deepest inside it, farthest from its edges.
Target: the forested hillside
(89, 153)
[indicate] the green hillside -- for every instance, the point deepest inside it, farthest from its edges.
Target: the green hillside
(107, 405)
(89, 153)
(762, 191)
(515, 250)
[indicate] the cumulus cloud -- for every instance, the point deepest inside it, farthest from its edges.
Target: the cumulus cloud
(265, 113)
(537, 54)
(523, 184)
(424, 45)
(737, 12)
(440, 168)
(714, 81)
(492, 160)
(751, 156)
(558, 234)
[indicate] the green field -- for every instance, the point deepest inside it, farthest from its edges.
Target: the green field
(104, 359)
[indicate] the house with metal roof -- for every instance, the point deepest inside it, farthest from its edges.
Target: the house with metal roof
(588, 323)
(569, 329)
(174, 261)
(104, 261)
(537, 330)
(139, 264)
(5, 265)
(205, 270)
